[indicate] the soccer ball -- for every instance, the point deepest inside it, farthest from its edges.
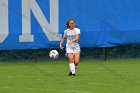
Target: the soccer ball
(54, 54)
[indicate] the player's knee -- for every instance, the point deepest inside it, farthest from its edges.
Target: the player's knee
(71, 60)
(76, 61)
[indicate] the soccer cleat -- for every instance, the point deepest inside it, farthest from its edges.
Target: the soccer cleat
(70, 74)
(73, 74)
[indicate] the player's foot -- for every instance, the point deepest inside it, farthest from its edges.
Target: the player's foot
(73, 74)
(70, 74)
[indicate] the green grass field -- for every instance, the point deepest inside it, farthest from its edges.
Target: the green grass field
(119, 76)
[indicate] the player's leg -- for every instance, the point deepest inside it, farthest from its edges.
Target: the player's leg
(70, 57)
(76, 59)
(77, 56)
(71, 63)
(71, 60)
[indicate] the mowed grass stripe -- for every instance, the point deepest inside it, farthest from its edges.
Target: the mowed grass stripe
(115, 76)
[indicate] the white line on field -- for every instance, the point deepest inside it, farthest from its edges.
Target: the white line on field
(100, 84)
(41, 89)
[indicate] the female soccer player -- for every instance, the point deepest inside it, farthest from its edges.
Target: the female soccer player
(72, 34)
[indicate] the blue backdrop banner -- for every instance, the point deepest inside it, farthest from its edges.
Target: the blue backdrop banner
(34, 24)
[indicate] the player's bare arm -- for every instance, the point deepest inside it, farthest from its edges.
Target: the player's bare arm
(75, 39)
(62, 41)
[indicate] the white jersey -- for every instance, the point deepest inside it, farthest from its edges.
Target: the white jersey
(70, 34)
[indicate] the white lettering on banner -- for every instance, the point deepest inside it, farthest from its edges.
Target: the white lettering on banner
(50, 30)
(3, 20)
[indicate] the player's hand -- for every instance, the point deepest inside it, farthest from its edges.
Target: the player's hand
(70, 42)
(61, 47)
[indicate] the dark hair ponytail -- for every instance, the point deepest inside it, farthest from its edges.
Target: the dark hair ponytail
(67, 23)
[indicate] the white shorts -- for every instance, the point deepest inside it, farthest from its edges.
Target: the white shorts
(72, 49)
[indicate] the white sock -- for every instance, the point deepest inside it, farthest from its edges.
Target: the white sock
(72, 68)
